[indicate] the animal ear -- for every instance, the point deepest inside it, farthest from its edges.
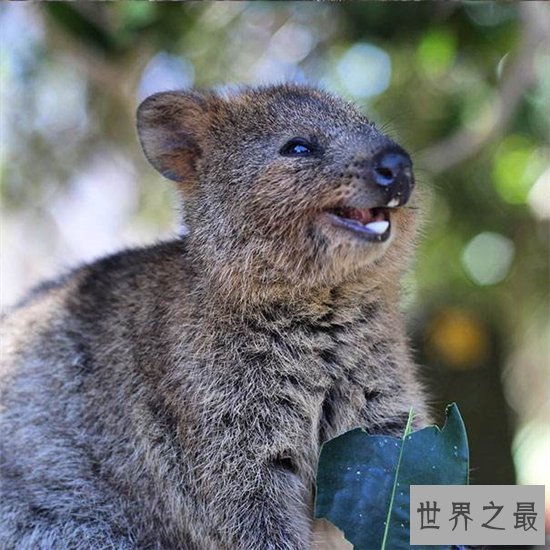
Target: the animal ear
(171, 128)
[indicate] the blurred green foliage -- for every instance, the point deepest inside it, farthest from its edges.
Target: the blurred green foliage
(468, 93)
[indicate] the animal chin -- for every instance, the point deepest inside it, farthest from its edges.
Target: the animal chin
(369, 224)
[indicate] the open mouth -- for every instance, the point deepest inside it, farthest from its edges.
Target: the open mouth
(371, 224)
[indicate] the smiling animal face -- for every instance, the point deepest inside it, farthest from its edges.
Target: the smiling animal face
(282, 185)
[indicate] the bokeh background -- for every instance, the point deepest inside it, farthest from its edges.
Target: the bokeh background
(464, 86)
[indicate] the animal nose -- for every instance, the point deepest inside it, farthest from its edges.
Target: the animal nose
(392, 166)
(391, 171)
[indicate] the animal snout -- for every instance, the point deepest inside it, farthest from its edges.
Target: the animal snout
(391, 172)
(390, 167)
(388, 173)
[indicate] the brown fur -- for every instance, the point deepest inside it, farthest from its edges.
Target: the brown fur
(177, 396)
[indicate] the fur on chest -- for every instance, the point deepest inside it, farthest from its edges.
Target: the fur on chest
(329, 362)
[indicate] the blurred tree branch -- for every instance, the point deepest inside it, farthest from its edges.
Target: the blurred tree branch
(517, 79)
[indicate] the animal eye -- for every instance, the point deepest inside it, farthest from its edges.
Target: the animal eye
(297, 147)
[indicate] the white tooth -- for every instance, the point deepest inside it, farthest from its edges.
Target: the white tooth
(378, 227)
(392, 203)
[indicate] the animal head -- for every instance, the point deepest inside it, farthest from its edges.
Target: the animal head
(283, 186)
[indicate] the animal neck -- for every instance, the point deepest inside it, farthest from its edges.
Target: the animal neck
(358, 301)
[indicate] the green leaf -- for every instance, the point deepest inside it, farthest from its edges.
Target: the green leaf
(363, 481)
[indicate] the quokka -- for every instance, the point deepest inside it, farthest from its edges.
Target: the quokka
(176, 396)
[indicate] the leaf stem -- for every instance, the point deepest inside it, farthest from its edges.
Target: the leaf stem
(408, 429)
